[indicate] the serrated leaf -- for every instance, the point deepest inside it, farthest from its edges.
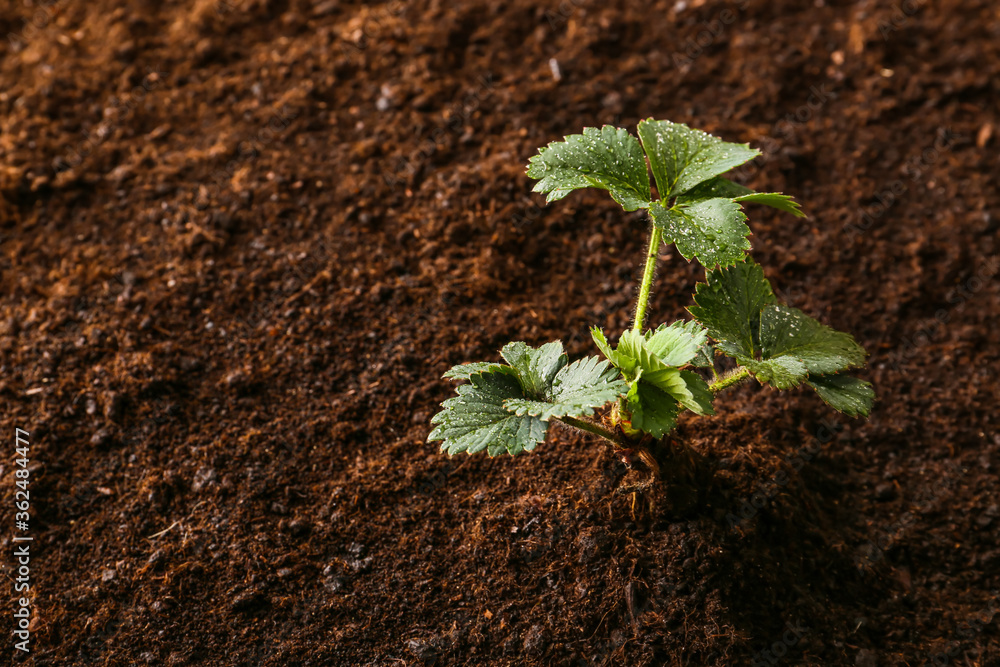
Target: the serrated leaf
(463, 371)
(629, 352)
(788, 332)
(730, 304)
(781, 372)
(632, 346)
(476, 419)
(701, 396)
(723, 187)
(608, 158)
(711, 230)
(657, 387)
(648, 368)
(652, 410)
(779, 345)
(536, 368)
(682, 158)
(774, 200)
(714, 187)
(669, 380)
(845, 393)
(602, 343)
(578, 388)
(675, 345)
(705, 355)
(618, 358)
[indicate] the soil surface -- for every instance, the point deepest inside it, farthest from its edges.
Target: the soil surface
(242, 240)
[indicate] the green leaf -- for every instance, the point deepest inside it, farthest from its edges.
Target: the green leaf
(730, 304)
(682, 158)
(608, 158)
(675, 345)
(636, 358)
(774, 200)
(463, 371)
(711, 230)
(701, 396)
(788, 332)
(714, 187)
(668, 379)
(845, 393)
(602, 343)
(779, 345)
(536, 368)
(577, 389)
(705, 355)
(653, 370)
(780, 372)
(476, 419)
(652, 410)
(507, 408)
(627, 365)
(723, 187)
(629, 352)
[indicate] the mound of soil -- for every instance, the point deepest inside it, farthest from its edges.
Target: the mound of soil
(242, 240)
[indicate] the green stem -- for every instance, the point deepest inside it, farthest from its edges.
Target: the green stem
(647, 279)
(729, 379)
(596, 429)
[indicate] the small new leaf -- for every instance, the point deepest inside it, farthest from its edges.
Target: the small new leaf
(845, 393)
(608, 158)
(680, 343)
(714, 187)
(638, 357)
(477, 420)
(682, 158)
(711, 230)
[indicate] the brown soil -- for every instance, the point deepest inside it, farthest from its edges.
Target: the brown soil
(241, 242)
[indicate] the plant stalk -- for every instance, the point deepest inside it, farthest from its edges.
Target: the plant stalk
(736, 376)
(596, 429)
(647, 279)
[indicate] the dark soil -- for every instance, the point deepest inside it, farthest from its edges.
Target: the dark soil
(241, 242)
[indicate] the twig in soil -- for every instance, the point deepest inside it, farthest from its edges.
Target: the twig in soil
(164, 531)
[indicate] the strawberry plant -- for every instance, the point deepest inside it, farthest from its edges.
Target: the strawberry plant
(652, 374)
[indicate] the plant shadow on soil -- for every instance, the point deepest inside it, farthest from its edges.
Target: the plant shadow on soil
(740, 552)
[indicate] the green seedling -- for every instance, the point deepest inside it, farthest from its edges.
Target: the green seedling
(652, 375)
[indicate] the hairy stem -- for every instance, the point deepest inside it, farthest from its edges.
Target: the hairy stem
(595, 428)
(647, 279)
(735, 376)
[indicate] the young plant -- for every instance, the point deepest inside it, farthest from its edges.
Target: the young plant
(652, 375)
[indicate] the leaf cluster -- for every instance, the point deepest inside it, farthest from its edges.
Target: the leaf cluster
(508, 407)
(651, 376)
(696, 209)
(779, 345)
